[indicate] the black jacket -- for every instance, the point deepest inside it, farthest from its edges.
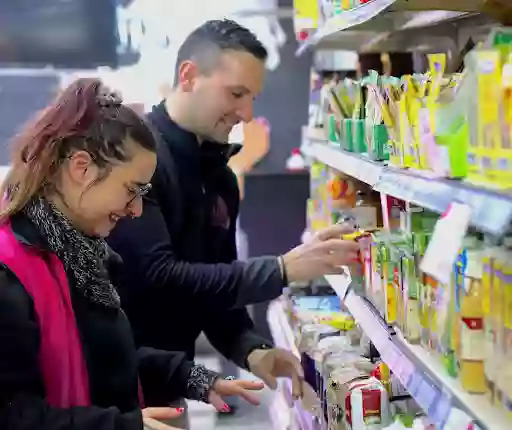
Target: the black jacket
(181, 274)
(109, 351)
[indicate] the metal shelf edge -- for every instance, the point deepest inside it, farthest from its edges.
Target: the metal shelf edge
(420, 15)
(432, 193)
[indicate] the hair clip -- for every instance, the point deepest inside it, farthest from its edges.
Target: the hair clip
(112, 99)
(106, 97)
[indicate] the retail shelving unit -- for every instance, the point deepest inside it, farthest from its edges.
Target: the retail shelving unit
(399, 25)
(422, 374)
(418, 187)
(406, 25)
(285, 413)
(439, 395)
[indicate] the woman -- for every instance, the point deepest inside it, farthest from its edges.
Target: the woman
(67, 357)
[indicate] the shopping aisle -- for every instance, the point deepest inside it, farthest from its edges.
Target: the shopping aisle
(247, 417)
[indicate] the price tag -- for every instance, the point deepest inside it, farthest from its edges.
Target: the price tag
(442, 409)
(406, 371)
(446, 242)
(414, 384)
(390, 356)
(427, 395)
(458, 419)
(372, 174)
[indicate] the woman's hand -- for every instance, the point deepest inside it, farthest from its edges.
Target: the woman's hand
(152, 416)
(235, 387)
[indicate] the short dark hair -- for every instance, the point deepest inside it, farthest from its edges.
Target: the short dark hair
(213, 37)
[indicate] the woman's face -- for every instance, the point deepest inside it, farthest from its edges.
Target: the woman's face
(95, 205)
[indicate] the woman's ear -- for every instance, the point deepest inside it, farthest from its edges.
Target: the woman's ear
(81, 167)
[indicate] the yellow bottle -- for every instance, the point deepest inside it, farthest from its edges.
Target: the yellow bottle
(488, 283)
(505, 358)
(472, 334)
(498, 321)
(432, 287)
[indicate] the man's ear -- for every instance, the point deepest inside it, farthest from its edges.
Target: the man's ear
(187, 74)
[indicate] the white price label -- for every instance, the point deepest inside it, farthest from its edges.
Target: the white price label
(427, 395)
(458, 419)
(446, 242)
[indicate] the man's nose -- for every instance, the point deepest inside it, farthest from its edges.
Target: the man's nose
(245, 111)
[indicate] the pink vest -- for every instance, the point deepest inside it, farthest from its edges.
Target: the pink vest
(61, 358)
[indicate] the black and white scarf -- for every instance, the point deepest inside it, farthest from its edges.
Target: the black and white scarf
(84, 258)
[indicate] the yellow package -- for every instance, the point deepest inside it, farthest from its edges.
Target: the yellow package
(407, 108)
(338, 321)
(488, 114)
(504, 154)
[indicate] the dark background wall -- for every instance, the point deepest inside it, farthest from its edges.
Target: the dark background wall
(273, 216)
(20, 97)
(284, 102)
(273, 213)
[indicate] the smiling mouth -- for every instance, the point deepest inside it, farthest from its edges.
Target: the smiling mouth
(114, 218)
(228, 124)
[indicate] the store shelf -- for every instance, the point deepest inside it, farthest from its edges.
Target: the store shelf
(439, 395)
(351, 164)
(280, 327)
(283, 337)
(281, 416)
(491, 212)
(397, 25)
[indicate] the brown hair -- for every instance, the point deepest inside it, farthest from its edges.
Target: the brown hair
(82, 117)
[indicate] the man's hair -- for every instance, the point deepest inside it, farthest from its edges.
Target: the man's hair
(208, 41)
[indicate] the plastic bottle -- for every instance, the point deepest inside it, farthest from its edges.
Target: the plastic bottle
(296, 160)
(489, 282)
(472, 333)
(503, 343)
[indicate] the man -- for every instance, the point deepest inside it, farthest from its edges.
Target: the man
(181, 275)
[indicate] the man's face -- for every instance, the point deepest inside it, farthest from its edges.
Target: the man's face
(224, 97)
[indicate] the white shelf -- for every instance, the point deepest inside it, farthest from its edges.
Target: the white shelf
(280, 328)
(422, 374)
(283, 337)
(396, 25)
(491, 211)
(353, 165)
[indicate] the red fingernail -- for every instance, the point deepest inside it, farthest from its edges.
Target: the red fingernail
(180, 410)
(226, 408)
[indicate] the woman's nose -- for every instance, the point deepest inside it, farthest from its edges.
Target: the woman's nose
(135, 208)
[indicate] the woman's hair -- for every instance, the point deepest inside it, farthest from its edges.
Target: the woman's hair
(83, 117)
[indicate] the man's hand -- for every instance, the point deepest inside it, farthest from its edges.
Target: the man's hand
(270, 364)
(323, 254)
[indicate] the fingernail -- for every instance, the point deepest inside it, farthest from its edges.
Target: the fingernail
(180, 410)
(226, 408)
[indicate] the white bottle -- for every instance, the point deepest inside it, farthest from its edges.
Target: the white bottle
(296, 160)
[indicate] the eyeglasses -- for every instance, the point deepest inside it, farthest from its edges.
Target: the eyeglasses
(139, 192)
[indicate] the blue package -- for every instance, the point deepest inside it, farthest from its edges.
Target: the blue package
(318, 303)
